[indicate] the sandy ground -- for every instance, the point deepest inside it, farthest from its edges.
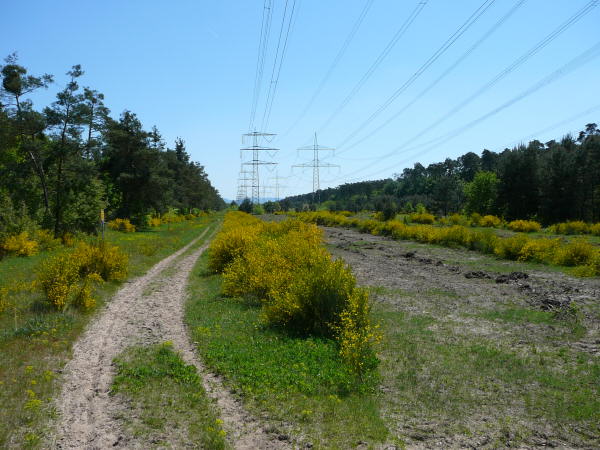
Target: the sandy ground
(146, 310)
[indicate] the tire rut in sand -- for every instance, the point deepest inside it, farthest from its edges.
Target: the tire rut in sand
(146, 310)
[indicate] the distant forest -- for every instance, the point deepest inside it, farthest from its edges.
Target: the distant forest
(550, 182)
(59, 165)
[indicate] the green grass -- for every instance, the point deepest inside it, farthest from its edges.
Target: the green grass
(299, 384)
(470, 385)
(166, 402)
(35, 342)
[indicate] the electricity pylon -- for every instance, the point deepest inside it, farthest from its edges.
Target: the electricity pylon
(244, 180)
(256, 162)
(316, 164)
(278, 186)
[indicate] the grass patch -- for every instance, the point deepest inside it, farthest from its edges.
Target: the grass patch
(35, 341)
(521, 315)
(470, 385)
(298, 384)
(167, 404)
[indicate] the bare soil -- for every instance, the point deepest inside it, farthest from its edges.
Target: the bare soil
(146, 310)
(458, 287)
(456, 282)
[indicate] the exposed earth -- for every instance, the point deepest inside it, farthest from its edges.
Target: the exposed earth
(147, 310)
(459, 290)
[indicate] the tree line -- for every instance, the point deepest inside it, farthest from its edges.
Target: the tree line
(550, 182)
(61, 164)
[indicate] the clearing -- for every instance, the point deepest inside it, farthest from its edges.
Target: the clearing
(480, 352)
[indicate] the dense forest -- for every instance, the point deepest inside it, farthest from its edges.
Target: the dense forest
(61, 164)
(550, 182)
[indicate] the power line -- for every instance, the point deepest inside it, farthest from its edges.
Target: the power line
(388, 48)
(421, 94)
(333, 65)
(514, 65)
(436, 55)
(570, 66)
(260, 62)
(554, 126)
(275, 78)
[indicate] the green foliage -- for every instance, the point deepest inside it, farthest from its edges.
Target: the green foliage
(284, 267)
(481, 193)
(60, 165)
(258, 209)
(246, 206)
(167, 395)
(293, 379)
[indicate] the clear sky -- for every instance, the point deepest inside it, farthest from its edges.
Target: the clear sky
(189, 68)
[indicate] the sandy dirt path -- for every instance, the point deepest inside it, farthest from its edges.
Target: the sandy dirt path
(146, 310)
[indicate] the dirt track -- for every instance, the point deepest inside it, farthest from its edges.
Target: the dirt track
(147, 310)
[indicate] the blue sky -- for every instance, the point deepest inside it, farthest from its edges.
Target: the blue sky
(188, 67)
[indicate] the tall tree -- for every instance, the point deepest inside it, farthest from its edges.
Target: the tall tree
(65, 119)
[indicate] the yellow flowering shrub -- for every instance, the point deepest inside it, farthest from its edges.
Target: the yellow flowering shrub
(571, 227)
(68, 278)
(524, 226)
(102, 258)
(538, 250)
(490, 221)
(422, 217)
(595, 229)
(20, 245)
(58, 278)
(578, 252)
(285, 268)
(237, 233)
(455, 219)
(121, 225)
(356, 335)
(154, 222)
(46, 239)
(519, 247)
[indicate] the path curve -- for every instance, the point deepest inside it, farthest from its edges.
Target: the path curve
(146, 310)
